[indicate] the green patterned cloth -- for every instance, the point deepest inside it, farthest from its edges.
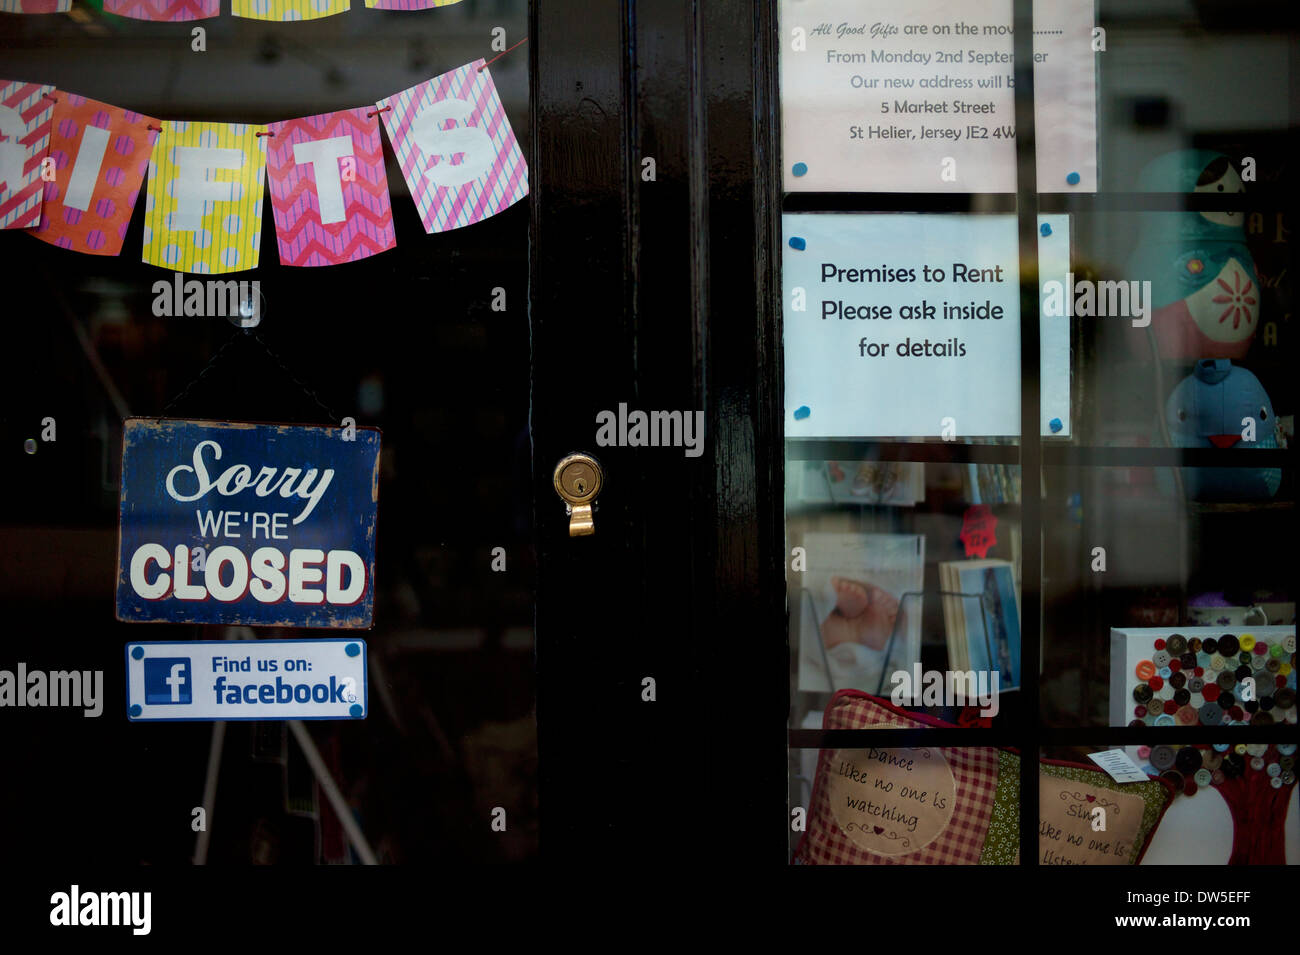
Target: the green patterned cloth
(1003, 839)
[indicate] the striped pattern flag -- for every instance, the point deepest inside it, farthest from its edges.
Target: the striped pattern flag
(203, 211)
(25, 112)
(288, 9)
(101, 154)
(408, 4)
(35, 6)
(329, 194)
(457, 151)
(164, 11)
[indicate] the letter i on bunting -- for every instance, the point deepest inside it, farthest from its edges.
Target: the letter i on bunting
(101, 154)
(164, 11)
(329, 193)
(456, 148)
(25, 112)
(203, 211)
(288, 9)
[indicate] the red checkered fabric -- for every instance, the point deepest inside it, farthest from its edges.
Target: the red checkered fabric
(974, 769)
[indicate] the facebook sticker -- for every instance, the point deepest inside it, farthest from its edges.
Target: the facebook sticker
(167, 680)
(298, 679)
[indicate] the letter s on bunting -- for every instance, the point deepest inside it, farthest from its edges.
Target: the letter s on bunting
(457, 151)
(284, 515)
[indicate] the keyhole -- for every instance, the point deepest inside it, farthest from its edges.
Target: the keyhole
(581, 485)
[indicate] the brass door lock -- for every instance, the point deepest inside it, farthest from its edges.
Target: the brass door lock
(578, 479)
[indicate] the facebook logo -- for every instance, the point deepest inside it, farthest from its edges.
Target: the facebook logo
(167, 680)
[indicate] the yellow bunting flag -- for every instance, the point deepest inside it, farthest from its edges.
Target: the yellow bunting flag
(288, 9)
(203, 210)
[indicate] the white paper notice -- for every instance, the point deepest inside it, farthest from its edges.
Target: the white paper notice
(896, 323)
(1117, 763)
(880, 96)
(1065, 95)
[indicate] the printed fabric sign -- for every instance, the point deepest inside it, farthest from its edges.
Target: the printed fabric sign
(329, 193)
(101, 154)
(168, 11)
(1081, 824)
(256, 524)
(322, 679)
(288, 9)
(25, 111)
(203, 212)
(456, 148)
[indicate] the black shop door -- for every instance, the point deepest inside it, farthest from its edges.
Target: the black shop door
(649, 293)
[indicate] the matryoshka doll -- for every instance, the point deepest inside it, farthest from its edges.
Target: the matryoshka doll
(1204, 289)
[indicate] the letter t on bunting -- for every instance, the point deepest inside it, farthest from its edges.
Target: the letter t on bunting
(329, 194)
(203, 211)
(25, 111)
(456, 148)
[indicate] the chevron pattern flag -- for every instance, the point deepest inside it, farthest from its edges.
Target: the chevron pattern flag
(408, 4)
(35, 6)
(329, 193)
(164, 11)
(203, 211)
(25, 112)
(101, 154)
(457, 151)
(288, 9)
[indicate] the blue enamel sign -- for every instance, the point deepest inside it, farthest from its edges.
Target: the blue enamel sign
(256, 524)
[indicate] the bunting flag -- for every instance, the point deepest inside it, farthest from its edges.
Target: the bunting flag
(408, 4)
(457, 151)
(35, 6)
(329, 193)
(25, 111)
(101, 154)
(71, 169)
(203, 211)
(164, 11)
(288, 9)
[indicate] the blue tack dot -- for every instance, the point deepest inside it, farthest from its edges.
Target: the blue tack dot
(1055, 425)
(356, 710)
(1072, 178)
(137, 653)
(798, 243)
(135, 709)
(352, 649)
(800, 169)
(802, 412)
(1044, 229)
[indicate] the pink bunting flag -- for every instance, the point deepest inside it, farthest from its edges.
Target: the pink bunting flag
(25, 111)
(408, 4)
(457, 151)
(164, 11)
(329, 193)
(35, 6)
(101, 154)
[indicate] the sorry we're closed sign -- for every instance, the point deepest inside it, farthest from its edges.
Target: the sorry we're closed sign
(242, 523)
